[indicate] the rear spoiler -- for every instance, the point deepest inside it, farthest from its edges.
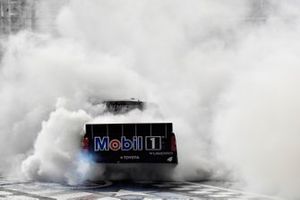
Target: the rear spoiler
(131, 143)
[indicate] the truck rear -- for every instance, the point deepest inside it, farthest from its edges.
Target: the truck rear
(125, 143)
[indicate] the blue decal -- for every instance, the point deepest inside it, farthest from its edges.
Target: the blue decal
(101, 144)
(104, 144)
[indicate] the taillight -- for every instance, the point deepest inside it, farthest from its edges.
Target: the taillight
(173, 143)
(85, 143)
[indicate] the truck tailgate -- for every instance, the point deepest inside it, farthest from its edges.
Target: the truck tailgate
(132, 143)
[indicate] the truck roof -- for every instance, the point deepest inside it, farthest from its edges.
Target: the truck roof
(123, 106)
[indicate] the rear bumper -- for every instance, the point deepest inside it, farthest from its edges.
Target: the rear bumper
(133, 171)
(127, 158)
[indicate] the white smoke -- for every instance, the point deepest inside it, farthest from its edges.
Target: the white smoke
(257, 130)
(35, 79)
(256, 126)
(225, 75)
(56, 146)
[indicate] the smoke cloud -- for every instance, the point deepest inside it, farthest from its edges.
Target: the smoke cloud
(225, 73)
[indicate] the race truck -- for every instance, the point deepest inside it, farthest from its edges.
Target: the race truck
(130, 143)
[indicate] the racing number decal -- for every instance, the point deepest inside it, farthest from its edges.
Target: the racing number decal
(153, 143)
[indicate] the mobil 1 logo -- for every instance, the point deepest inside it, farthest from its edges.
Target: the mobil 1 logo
(153, 143)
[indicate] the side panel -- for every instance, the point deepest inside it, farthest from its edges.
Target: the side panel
(132, 143)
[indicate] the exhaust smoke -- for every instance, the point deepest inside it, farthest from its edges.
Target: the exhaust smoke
(225, 73)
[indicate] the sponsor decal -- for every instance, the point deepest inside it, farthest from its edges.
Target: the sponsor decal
(136, 143)
(129, 157)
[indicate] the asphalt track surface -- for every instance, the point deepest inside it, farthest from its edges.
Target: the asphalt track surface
(107, 190)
